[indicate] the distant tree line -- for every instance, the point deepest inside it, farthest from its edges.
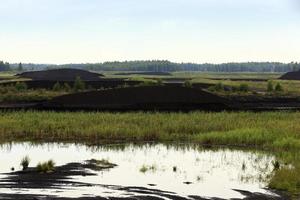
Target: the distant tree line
(167, 66)
(4, 66)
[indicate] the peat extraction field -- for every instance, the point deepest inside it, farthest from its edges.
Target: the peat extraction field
(149, 100)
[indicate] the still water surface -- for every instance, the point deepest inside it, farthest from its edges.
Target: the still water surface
(209, 173)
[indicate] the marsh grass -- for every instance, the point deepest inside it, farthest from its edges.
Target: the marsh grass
(101, 164)
(25, 162)
(146, 168)
(46, 167)
(269, 130)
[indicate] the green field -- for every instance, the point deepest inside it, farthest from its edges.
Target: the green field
(276, 132)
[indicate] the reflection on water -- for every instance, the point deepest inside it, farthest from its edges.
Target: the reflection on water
(183, 169)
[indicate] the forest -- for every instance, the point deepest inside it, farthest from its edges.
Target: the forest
(163, 66)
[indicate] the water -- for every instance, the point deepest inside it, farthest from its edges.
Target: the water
(211, 173)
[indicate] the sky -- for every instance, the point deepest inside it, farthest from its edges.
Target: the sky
(199, 31)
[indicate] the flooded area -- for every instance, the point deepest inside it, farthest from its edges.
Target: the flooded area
(157, 170)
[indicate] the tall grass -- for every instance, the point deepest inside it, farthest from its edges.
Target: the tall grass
(266, 129)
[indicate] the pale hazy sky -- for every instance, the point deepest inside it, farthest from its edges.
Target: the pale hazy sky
(80, 31)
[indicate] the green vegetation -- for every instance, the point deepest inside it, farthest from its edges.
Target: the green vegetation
(79, 85)
(222, 89)
(56, 87)
(146, 168)
(46, 167)
(244, 87)
(21, 86)
(270, 87)
(25, 162)
(20, 93)
(219, 87)
(270, 131)
(277, 132)
(278, 87)
(147, 81)
(265, 130)
(101, 164)
(188, 84)
(164, 66)
(67, 87)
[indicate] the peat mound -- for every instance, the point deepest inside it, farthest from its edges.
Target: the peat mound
(144, 73)
(61, 75)
(141, 98)
(291, 76)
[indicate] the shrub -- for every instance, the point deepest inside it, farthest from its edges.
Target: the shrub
(56, 86)
(270, 87)
(234, 88)
(79, 84)
(21, 86)
(218, 87)
(67, 87)
(278, 87)
(187, 84)
(51, 164)
(159, 82)
(146, 168)
(25, 162)
(148, 82)
(244, 87)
